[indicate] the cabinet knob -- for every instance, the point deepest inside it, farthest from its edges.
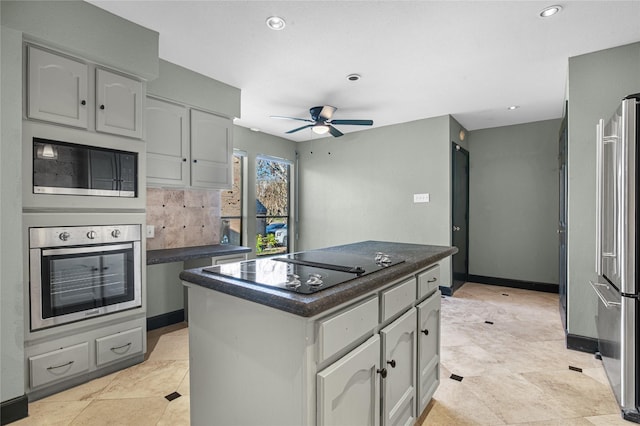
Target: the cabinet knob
(101, 106)
(392, 363)
(195, 161)
(184, 160)
(425, 332)
(83, 102)
(383, 372)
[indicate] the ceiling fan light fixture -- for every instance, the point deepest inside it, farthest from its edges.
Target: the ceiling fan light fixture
(550, 11)
(320, 129)
(276, 23)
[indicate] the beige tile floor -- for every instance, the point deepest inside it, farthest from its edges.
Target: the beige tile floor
(515, 371)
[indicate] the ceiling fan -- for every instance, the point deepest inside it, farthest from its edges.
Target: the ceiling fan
(322, 122)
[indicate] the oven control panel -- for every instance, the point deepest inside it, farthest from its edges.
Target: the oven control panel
(83, 235)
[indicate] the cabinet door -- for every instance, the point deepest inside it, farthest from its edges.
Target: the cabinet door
(118, 104)
(349, 390)
(399, 358)
(167, 139)
(57, 88)
(211, 151)
(428, 349)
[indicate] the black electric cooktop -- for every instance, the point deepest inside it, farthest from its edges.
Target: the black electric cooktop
(305, 272)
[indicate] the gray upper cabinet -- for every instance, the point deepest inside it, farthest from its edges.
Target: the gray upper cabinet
(211, 150)
(187, 147)
(119, 104)
(167, 143)
(57, 88)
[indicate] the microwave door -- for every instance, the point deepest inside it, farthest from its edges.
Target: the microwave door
(103, 171)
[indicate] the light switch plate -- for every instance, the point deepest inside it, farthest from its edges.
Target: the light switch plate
(151, 231)
(420, 198)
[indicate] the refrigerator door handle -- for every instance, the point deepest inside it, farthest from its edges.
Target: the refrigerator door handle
(607, 303)
(599, 153)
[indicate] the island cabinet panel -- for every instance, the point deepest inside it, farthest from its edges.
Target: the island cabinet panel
(338, 331)
(397, 298)
(428, 349)
(399, 360)
(348, 390)
(167, 143)
(57, 88)
(428, 281)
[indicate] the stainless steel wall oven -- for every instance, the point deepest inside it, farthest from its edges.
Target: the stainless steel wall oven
(79, 272)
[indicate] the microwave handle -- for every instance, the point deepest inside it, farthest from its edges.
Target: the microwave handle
(599, 177)
(86, 249)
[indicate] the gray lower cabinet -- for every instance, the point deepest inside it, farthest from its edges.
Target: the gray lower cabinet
(348, 390)
(428, 349)
(187, 147)
(56, 362)
(399, 360)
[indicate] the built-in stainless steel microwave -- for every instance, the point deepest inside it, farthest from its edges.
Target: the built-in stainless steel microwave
(72, 169)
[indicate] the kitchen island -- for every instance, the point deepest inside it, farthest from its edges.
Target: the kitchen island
(271, 356)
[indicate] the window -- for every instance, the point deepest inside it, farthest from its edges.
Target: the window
(272, 206)
(231, 206)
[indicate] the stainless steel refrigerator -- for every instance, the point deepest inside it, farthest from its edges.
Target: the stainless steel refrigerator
(617, 253)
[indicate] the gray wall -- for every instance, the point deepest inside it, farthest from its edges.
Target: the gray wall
(514, 202)
(360, 186)
(597, 83)
(11, 286)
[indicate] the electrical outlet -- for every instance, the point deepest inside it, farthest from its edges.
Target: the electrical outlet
(420, 198)
(151, 231)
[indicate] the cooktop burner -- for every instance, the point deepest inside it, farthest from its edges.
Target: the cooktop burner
(305, 272)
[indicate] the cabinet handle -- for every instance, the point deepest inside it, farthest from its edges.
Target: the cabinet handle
(83, 102)
(383, 372)
(60, 366)
(425, 332)
(101, 106)
(433, 280)
(121, 347)
(392, 363)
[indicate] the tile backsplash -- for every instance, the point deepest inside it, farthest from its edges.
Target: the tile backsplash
(183, 217)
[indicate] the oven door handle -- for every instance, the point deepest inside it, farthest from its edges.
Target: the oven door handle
(86, 249)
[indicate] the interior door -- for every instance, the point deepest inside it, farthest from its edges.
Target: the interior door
(460, 214)
(562, 219)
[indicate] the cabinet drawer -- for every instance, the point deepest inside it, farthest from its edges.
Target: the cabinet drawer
(344, 328)
(59, 364)
(397, 298)
(428, 281)
(119, 345)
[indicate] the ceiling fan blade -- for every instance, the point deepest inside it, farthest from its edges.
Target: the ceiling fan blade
(300, 128)
(353, 122)
(335, 132)
(327, 112)
(292, 118)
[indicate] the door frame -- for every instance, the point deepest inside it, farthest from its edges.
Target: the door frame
(455, 147)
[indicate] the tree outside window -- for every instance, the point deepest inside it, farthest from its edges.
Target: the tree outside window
(272, 206)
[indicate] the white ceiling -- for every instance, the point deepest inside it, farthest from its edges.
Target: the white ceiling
(418, 59)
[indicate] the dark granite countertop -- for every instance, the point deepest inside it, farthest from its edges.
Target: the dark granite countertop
(416, 257)
(155, 257)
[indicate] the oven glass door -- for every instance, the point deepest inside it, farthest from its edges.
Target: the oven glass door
(81, 279)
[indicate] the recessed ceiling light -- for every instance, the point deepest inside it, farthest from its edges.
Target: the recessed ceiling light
(353, 77)
(276, 23)
(550, 11)
(512, 107)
